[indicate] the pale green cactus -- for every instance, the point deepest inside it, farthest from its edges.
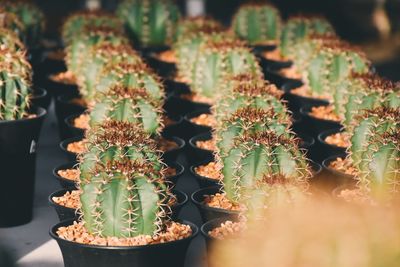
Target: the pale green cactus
(258, 24)
(10, 40)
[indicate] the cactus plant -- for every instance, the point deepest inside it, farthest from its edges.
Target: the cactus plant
(375, 152)
(365, 91)
(31, 17)
(128, 104)
(331, 65)
(259, 157)
(299, 27)
(11, 21)
(123, 191)
(15, 82)
(257, 23)
(9, 39)
(80, 23)
(247, 90)
(249, 120)
(150, 22)
(197, 25)
(217, 59)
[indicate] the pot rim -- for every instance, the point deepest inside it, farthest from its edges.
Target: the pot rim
(197, 176)
(321, 137)
(212, 222)
(304, 111)
(199, 137)
(39, 111)
(64, 166)
(325, 165)
(53, 234)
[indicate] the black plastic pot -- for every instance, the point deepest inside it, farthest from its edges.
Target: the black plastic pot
(163, 68)
(197, 154)
(328, 149)
(18, 142)
(273, 65)
(40, 98)
(336, 192)
(64, 144)
(57, 89)
(197, 128)
(170, 254)
(314, 126)
(69, 122)
(65, 183)
(175, 88)
(179, 170)
(63, 213)
(182, 200)
(336, 177)
(64, 108)
(280, 81)
(208, 213)
(178, 106)
(202, 180)
(297, 102)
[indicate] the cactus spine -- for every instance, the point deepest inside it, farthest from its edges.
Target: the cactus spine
(150, 22)
(257, 24)
(123, 191)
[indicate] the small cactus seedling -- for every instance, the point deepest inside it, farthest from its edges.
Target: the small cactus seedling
(331, 65)
(79, 23)
(257, 23)
(128, 104)
(298, 28)
(247, 90)
(375, 153)
(219, 59)
(15, 82)
(31, 17)
(256, 157)
(132, 74)
(123, 190)
(150, 22)
(249, 120)
(366, 91)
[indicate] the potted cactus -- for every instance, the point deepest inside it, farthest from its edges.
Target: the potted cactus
(259, 24)
(19, 133)
(125, 205)
(151, 24)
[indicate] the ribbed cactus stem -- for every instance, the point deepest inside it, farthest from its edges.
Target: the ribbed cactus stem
(123, 190)
(257, 23)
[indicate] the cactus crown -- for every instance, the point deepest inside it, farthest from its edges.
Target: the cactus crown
(257, 156)
(219, 59)
(257, 23)
(31, 17)
(123, 190)
(15, 82)
(10, 39)
(129, 104)
(11, 21)
(375, 152)
(196, 26)
(150, 22)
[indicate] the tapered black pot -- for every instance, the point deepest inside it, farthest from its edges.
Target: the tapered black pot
(337, 178)
(328, 149)
(163, 68)
(202, 180)
(282, 82)
(315, 126)
(273, 65)
(196, 154)
(69, 122)
(179, 170)
(170, 254)
(197, 129)
(64, 107)
(63, 213)
(209, 213)
(71, 156)
(57, 89)
(40, 98)
(175, 88)
(297, 102)
(18, 144)
(65, 183)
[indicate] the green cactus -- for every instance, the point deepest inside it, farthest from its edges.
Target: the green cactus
(123, 190)
(81, 23)
(219, 59)
(12, 22)
(101, 56)
(249, 120)
(128, 104)
(298, 28)
(257, 23)
(31, 17)
(375, 152)
(15, 84)
(150, 22)
(131, 74)
(197, 25)
(247, 90)
(9, 39)
(258, 157)
(366, 91)
(187, 48)
(331, 65)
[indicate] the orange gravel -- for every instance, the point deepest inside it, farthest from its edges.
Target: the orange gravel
(338, 139)
(69, 199)
(211, 170)
(77, 233)
(355, 196)
(208, 144)
(274, 55)
(170, 172)
(344, 166)
(197, 98)
(305, 91)
(228, 229)
(77, 147)
(70, 174)
(220, 201)
(166, 145)
(291, 73)
(64, 77)
(82, 122)
(324, 113)
(205, 119)
(167, 56)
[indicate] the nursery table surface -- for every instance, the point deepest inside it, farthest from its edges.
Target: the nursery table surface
(31, 244)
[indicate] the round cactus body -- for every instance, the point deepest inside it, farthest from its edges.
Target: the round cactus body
(257, 24)
(123, 190)
(150, 22)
